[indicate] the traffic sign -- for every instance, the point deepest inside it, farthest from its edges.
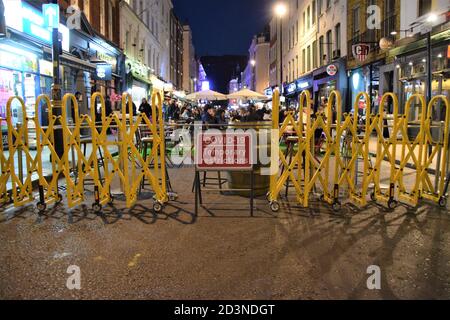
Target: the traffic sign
(51, 15)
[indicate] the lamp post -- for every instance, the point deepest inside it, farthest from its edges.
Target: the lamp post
(280, 12)
(56, 87)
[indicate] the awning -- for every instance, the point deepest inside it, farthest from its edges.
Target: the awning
(74, 62)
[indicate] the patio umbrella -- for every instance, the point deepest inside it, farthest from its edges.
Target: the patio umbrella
(206, 95)
(246, 94)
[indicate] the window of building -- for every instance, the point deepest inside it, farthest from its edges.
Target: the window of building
(308, 17)
(308, 58)
(303, 60)
(110, 20)
(338, 36)
(102, 17)
(329, 45)
(424, 7)
(389, 8)
(355, 18)
(86, 9)
(319, 7)
(304, 21)
(314, 12)
(314, 53)
(328, 4)
(321, 50)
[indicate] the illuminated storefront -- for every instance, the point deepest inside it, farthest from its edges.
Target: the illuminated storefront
(137, 79)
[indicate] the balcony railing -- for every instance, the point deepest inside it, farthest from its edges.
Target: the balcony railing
(374, 36)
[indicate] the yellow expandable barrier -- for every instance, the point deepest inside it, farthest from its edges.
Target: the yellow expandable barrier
(439, 153)
(411, 150)
(21, 178)
(316, 173)
(4, 171)
(290, 125)
(386, 152)
(48, 189)
(75, 165)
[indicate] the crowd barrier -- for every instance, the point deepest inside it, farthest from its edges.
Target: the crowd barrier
(344, 160)
(75, 166)
(336, 168)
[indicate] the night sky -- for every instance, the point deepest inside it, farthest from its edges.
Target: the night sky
(223, 27)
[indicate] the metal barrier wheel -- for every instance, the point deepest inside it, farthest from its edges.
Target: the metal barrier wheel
(41, 207)
(392, 204)
(97, 207)
(373, 196)
(157, 207)
(443, 202)
(275, 206)
(59, 199)
(173, 196)
(336, 207)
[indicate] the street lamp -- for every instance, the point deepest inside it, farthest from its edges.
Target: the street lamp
(280, 10)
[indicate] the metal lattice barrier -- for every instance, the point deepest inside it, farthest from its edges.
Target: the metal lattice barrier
(75, 166)
(347, 144)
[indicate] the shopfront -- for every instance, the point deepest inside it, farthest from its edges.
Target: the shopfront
(366, 79)
(327, 79)
(411, 71)
(293, 90)
(137, 82)
(25, 68)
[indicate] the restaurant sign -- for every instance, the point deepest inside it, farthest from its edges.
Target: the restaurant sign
(361, 51)
(216, 150)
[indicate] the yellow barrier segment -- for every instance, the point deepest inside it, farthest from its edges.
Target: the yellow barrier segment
(4, 171)
(440, 146)
(386, 148)
(44, 138)
(409, 149)
(273, 195)
(317, 170)
(22, 190)
(363, 150)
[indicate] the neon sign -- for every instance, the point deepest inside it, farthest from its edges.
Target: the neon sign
(25, 18)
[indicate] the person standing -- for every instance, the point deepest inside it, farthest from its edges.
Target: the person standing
(145, 108)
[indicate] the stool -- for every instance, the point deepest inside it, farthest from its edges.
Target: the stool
(101, 162)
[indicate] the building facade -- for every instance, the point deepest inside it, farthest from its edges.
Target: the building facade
(176, 51)
(190, 68)
(367, 59)
(409, 57)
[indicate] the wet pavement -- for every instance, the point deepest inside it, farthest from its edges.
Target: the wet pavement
(224, 253)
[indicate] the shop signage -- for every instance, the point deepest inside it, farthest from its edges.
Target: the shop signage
(224, 151)
(18, 59)
(45, 68)
(136, 69)
(103, 72)
(332, 69)
(302, 85)
(51, 15)
(361, 51)
(268, 92)
(107, 58)
(25, 18)
(291, 88)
